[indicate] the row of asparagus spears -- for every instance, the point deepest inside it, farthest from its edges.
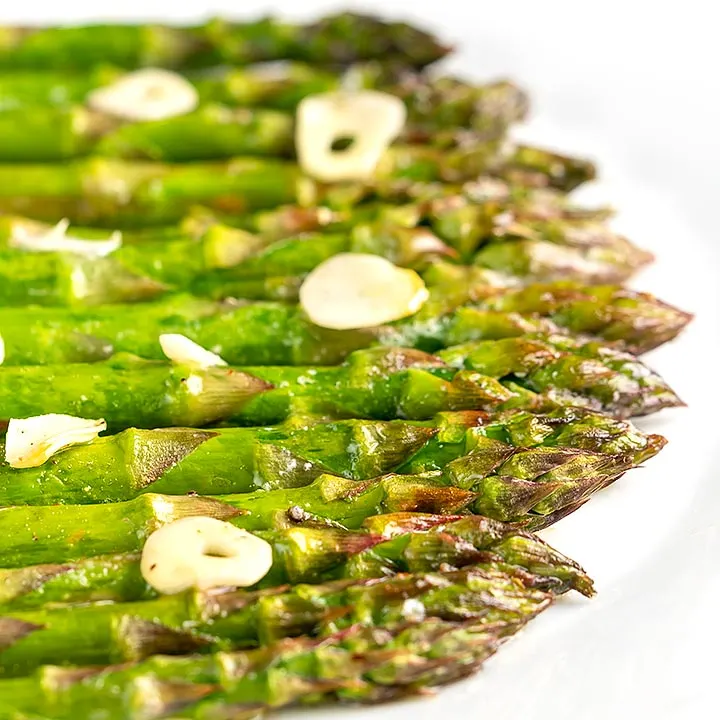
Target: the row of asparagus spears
(398, 472)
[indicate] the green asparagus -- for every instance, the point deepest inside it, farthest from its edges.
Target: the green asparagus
(277, 333)
(213, 259)
(171, 395)
(120, 193)
(238, 460)
(217, 130)
(396, 543)
(379, 383)
(342, 38)
(360, 664)
(203, 622)
(494, 480)
(636, 320)
(215, 262)
(279, 87)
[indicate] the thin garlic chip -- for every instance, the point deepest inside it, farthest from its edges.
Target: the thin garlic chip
(183, 351)
(56, 239)
(32, 441)
(148, 94)
(354, 290)
(203, 553)
(370, 119)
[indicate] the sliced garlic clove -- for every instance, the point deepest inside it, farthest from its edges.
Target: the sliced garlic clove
(354, 290)
(56, 239)
(148, 94)
(203, 553)
(32, 441)
(184, 351)
(372, 119)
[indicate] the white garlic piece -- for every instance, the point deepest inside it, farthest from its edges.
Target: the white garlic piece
(203, 553)
(56, 239)
(32, 441)
(355, 290)
(184, 351)
(371, 119)
(147, 94)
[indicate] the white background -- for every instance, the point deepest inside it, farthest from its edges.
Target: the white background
(633, 84)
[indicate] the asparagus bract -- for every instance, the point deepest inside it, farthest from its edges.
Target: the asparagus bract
(395, 543)
(203, 622)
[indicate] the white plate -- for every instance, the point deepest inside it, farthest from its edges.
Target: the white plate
(635, 86)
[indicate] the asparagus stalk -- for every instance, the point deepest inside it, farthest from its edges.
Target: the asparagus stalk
(213, 260)
(276, 86)
(360, 664)
(218, 129)
(66, 280)
(277, 333)
(127, 193)
(395, 543)
(172, 395)
(495, 480)
(203, 622)
(237, 460)
(379, 383)
(342, 38)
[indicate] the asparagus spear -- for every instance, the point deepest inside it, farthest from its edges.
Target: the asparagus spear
(63, 279)
(275, 333)
(533, 166)
(637, 320)
(210, 260)
(396, 543)
(568, 371)
(127, 193)
(494, 481)
(276, 86)
(172, 395)
(380, 383)
(238, 460)
(203, 622)
(342, 38)
(211, 132)
(360, 664)
(218, 129)
(222, 261)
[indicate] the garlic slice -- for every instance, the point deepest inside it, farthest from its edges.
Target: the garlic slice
(184, 351)
(32, 441)
(354, 290)
(56, 239)
(203, 553)
(372, 119)
(148, 94)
